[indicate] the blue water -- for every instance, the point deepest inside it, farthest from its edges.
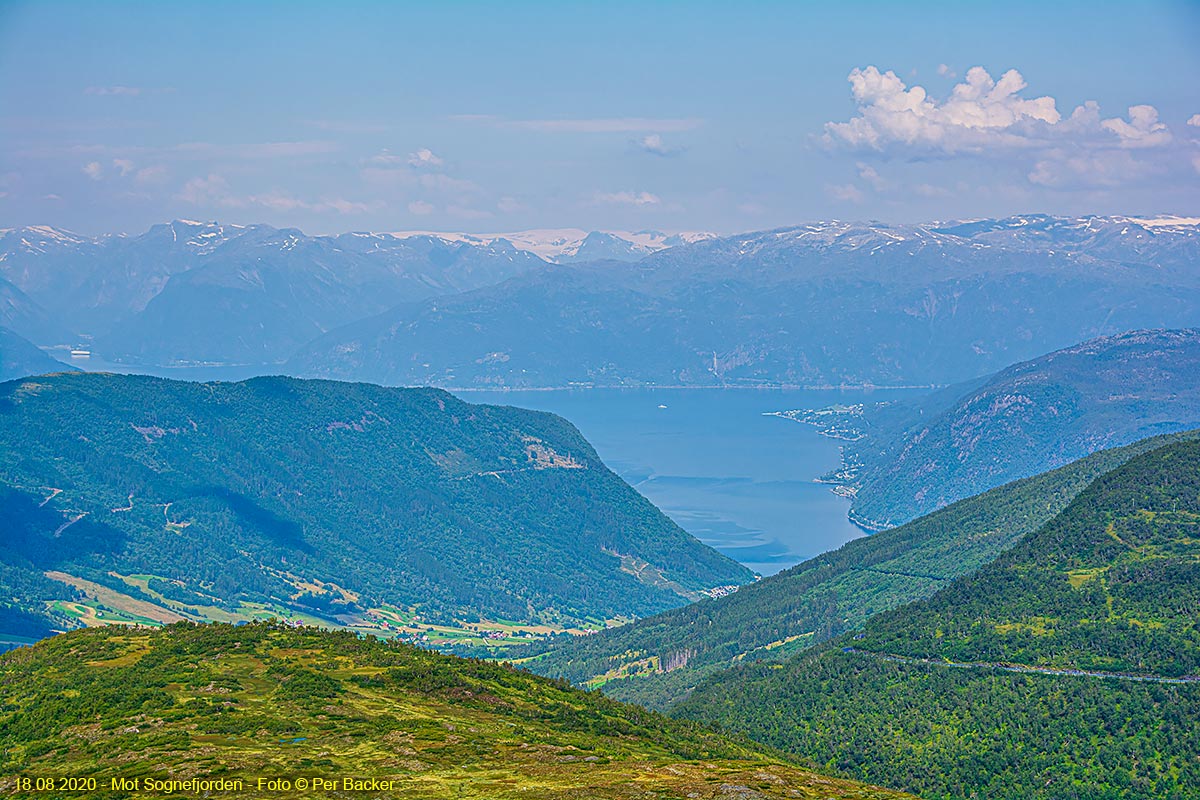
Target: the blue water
(735, 479)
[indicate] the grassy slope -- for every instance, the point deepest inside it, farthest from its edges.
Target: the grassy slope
(822, 597)
(1110, 585)
(261, 700)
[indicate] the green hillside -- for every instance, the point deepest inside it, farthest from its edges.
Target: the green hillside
(401, 511)
(218, 701)
(1069, 667)
(656, 661)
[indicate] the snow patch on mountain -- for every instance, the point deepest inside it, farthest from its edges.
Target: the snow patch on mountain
(567, 245)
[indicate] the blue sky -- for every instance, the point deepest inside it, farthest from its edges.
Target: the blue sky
(672, 116)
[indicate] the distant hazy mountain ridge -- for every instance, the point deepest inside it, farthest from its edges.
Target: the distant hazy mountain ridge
(824, 304)
(189, 292)
(19, 358)
(828, 303)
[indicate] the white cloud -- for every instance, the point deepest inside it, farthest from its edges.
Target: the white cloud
(871, 176)
(424, 159)
(845, 192)
(123, 166)
(979, 112)
(946, 72)
(1085, 169)
(929, 190)
(281, 201)
(992, 119)
(1142, 130)
(204, 191)
(118, 91)
(148, 175)
(93, 170)
(653, 143)
(385, 158)
(345, 126)
(605, 125)
(629, 198)
(256, 150)
(466, 212)
(420, 208)
(1194, 121)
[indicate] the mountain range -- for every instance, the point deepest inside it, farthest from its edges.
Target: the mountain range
(574, 245)
(828, 303)
(192, 292)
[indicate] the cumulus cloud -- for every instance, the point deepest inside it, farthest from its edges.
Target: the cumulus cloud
(93, 170)
(653, 143)
(629, 198)
(123, 166)
(994, 119)
(424, 159)
(1194, 121)
(946, 72)
(979, 112)
(1142, 130)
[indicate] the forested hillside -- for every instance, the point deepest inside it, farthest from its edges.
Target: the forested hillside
(391, 509)
(656, 661)
(1068, 667)
(914, 457)
(224, 702)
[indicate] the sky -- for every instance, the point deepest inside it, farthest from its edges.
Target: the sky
(491, 117)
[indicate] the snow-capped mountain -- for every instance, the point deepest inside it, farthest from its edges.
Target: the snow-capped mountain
(574, 245)
(778, 306)
(188, 291)
(826, 303)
